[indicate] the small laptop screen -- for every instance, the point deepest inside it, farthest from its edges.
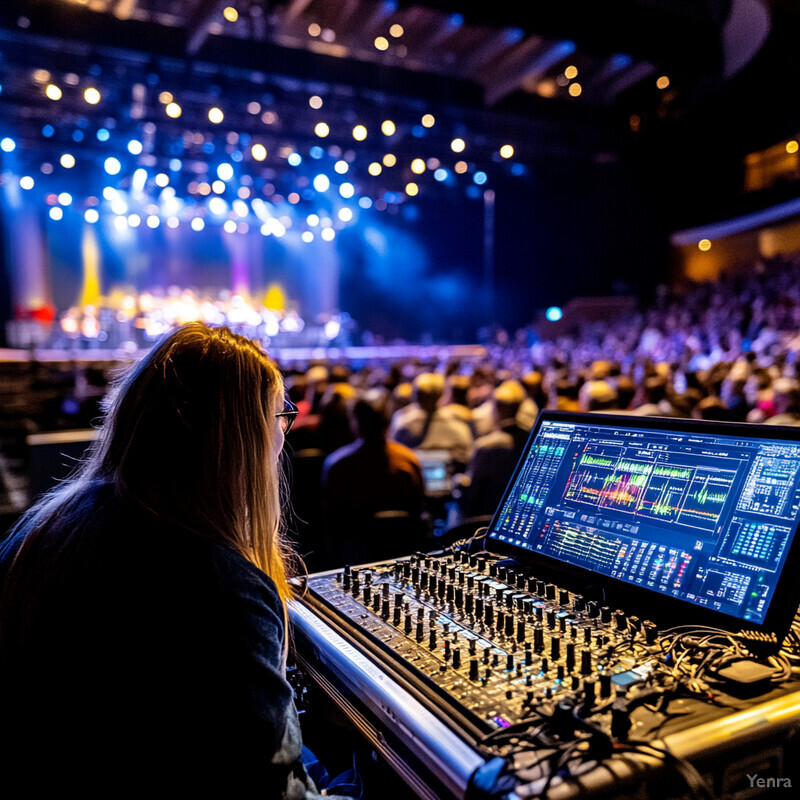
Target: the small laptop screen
(704, 513)
(435, 471)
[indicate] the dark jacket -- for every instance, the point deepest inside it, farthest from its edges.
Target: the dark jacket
(136, 655)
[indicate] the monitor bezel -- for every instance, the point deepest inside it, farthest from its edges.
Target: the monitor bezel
(668, 609)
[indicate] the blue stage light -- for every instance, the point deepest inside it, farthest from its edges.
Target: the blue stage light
(48, 130)
(553, 314)
(316, 152)
(102, 135)
(295, 159)
(441, 174)
(175, 164)
(112, 165)
(479, 177)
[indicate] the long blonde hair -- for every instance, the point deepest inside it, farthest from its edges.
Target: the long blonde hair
(190, 433)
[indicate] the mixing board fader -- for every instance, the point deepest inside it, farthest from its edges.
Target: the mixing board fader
(489, 641)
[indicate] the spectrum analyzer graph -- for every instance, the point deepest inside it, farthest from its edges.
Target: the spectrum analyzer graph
(631, 481)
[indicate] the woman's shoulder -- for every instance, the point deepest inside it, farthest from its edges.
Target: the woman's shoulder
(240, 574)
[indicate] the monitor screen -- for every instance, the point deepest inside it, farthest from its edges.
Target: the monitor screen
(705, 513)
(435, 471)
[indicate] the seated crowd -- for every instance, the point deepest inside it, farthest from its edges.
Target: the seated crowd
(720, 351)
(724, 350)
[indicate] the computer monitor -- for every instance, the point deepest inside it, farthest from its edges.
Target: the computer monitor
(698, 518)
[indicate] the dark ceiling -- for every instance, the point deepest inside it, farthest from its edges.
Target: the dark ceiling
(499, 58)
(493, 71)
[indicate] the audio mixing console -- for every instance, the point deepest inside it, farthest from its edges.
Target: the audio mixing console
(480, 652)
(631, 618)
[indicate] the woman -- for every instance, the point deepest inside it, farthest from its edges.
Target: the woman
(143, 608)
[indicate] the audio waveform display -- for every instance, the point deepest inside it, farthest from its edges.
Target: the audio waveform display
(705, 514)
(688, 495)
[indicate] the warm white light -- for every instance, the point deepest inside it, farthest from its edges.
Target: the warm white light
(216, 116)
(173, 110)
(91, 96)
(259, 152)
(322, 129)
(359, 133)
(67, 161)
(52, 91)
(458, 145)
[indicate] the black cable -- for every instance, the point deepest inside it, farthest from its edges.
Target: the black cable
(693, 779)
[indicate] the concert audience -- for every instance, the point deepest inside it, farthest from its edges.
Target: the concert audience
(372, 491)
(424, 424)
(495, 455)
(719, 350)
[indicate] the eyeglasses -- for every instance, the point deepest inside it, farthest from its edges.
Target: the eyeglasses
(287, 417)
